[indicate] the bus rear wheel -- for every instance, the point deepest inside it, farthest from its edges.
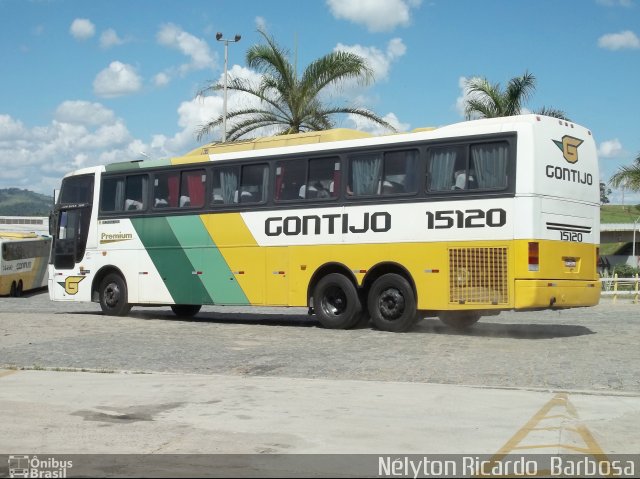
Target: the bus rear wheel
(185, 310)
(459, 320)
(336, 302)
(392, 304)
(19, 289)
(13, 290)
(113, 296)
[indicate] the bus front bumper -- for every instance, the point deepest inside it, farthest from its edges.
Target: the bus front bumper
(534, 294)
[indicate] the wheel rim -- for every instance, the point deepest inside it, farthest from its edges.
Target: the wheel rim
(112, 295)
(334, 301)
(391, 304)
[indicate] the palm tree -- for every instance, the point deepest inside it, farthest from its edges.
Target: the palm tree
(289, 102)
(486, 100)
(628, 176)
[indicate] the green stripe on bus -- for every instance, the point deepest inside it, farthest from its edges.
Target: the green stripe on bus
(171, 261)
(137, 165)
(203, 253)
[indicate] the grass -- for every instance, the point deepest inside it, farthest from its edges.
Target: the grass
(619, 213)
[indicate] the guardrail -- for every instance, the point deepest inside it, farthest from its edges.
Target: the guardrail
(611, 287)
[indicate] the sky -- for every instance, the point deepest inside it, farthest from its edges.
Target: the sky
(85, 83)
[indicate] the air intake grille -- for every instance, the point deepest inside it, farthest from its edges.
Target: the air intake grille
(478, 276)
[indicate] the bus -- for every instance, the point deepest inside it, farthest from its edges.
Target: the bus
(24, 259)
(458, 222)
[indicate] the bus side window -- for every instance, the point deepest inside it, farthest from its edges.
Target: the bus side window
(135, 192)
(323, 175)
(225, 185)
(489, 162)
(443, 165)
(112, 194)
(253, 183)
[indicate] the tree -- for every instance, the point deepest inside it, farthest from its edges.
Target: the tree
(289, 102)
(628, 176)
(486, 100)
(604, 193)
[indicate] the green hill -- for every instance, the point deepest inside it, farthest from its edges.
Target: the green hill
(17, 202)
(619, 213)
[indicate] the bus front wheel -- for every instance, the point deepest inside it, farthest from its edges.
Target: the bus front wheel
(185, 310)
(336, 302)
(113, 295)
(392, 304)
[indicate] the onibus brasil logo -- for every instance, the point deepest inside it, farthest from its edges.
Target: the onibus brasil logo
(569, 147)
(32, 466)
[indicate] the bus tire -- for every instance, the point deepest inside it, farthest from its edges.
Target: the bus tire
(392, 304)
(336, 302)
(19, 289)
(113, 296)
(185, 310)
(459, 320)
(14, 287)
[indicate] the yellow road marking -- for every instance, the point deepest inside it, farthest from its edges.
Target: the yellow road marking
(568, 412)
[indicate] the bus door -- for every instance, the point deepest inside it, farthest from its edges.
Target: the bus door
(70, 237)
(71, 218)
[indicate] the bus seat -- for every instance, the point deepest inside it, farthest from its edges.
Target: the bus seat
(130, 205)
(185, 201)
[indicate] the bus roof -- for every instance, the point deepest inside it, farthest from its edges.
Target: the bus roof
(312, 139)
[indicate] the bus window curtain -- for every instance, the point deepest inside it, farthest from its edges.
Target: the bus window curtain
(366, 175)
(229, 182)
(410, 176)
(173, 183)
(195, 186)
(490, 164)
(265, 183)
(441, 170)
(279, 181)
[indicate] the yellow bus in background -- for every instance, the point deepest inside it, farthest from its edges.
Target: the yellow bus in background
(24, 258)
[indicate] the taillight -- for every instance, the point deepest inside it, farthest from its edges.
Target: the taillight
(534, 256)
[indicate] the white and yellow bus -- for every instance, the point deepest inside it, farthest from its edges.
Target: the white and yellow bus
(23, 262)
(458, 222)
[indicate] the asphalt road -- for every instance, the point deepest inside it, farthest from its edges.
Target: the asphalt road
(268, 392)
(592, 349)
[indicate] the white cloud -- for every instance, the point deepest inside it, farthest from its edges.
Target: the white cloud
(261, 23)
(379, 61)
(196, 49)
(364, 124)
(110, 38)
(375, 15)
(83, 113)
(461, 101)
(618, 41)
(82, 29)
(610, 149)
(161, 79)
(615, 3)
(11, 129)
(117, 80)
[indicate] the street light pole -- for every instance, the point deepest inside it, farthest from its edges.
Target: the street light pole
(224, 100)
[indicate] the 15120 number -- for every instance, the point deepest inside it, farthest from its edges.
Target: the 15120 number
(473, 218)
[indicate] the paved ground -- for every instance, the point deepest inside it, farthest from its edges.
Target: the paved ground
(238, 381)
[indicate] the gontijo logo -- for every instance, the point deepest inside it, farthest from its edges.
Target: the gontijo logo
(569, 147)
(70, 284)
